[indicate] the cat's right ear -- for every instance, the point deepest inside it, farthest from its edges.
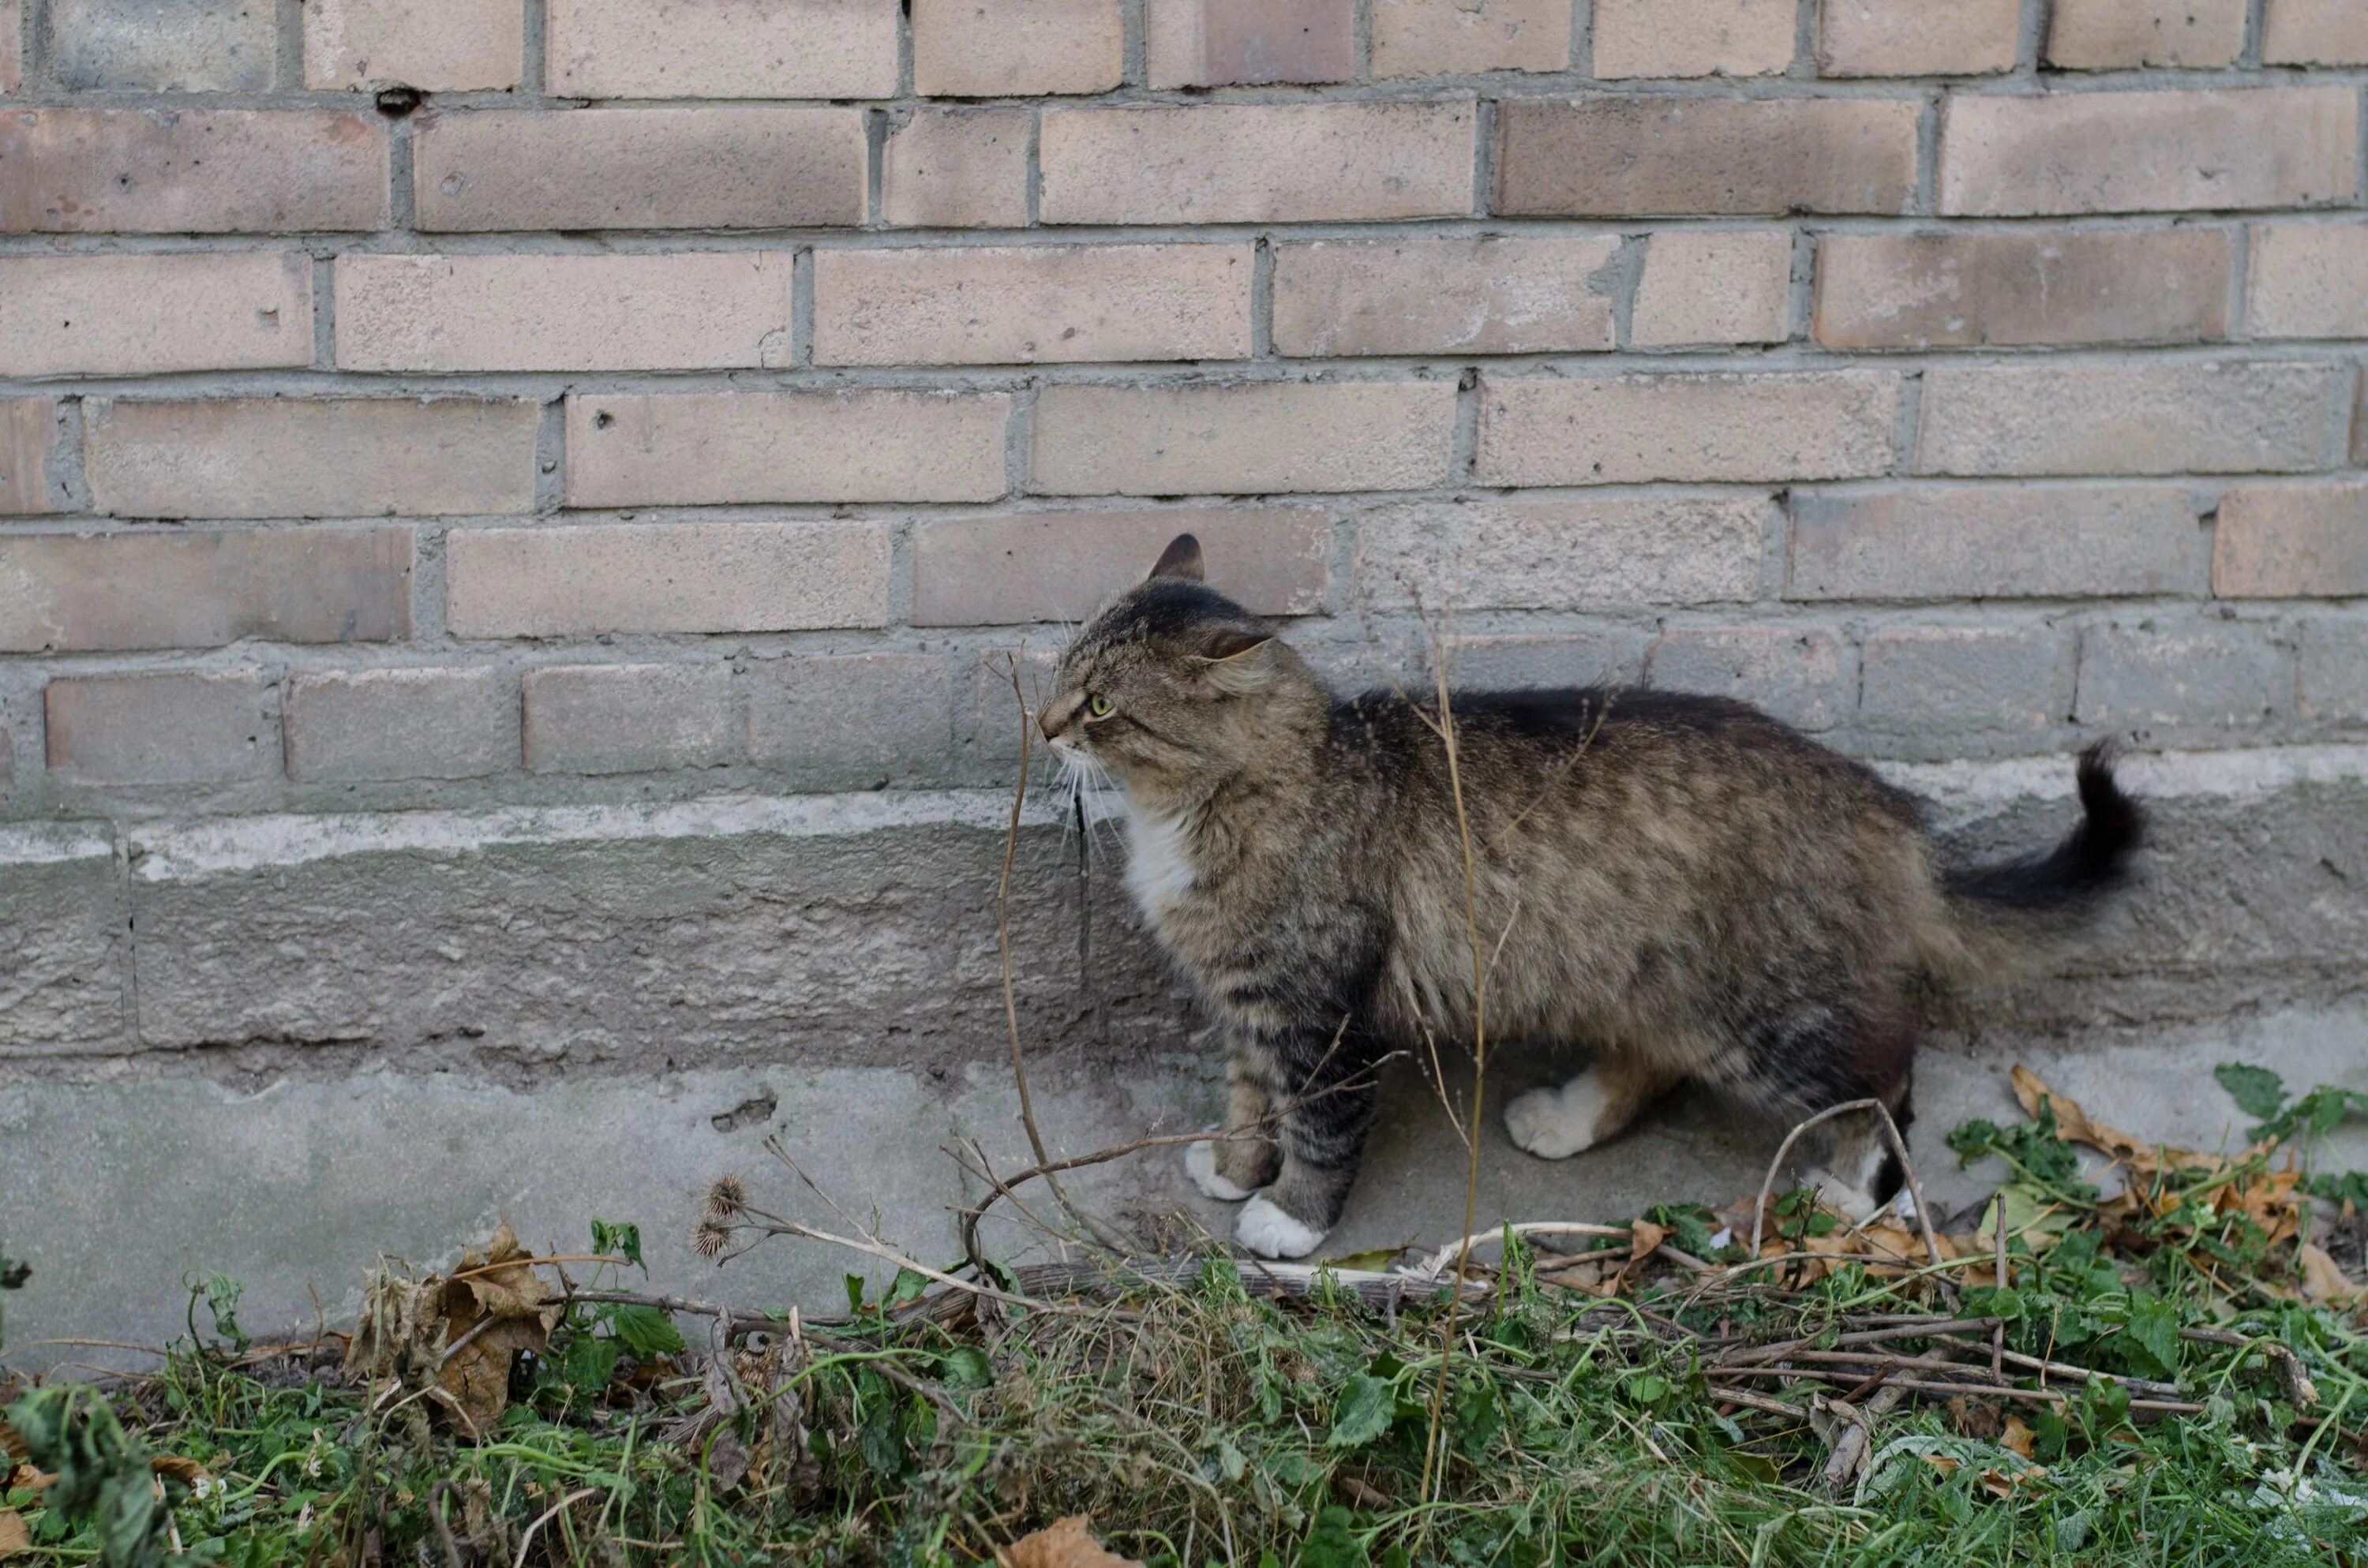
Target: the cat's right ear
(1180, 559)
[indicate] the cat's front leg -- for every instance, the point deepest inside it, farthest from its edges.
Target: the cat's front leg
(1322, 1128)
(1232, 1167)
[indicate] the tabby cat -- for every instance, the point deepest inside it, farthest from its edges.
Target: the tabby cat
(1693, 890)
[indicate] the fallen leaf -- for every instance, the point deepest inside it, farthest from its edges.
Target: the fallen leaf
(12, 1442)
(1973, 1419)
(2323, 1282)
(1372, 1262)
(1643, 1237)
(176, 1467)
(2017, 1437)
(2001, 1483)
(453, 1340)
(15, 1536)
(1943, 1463)
(1066, 1544)
(28, 1478)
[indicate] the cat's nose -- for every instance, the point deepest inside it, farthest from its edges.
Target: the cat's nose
(1052, 727)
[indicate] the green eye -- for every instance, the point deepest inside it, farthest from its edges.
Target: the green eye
(1098, 706)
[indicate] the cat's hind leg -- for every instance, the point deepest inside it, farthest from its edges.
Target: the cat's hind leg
(1560, 1121)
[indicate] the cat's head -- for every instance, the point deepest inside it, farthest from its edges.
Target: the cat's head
(1172, 687)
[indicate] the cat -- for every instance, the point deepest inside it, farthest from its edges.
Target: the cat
(1695, 891)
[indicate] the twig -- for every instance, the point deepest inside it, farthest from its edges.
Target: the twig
(2298, 1384)
(444, 1488)
(776, 1223)
(1997, 1277)
(1430, 1267)
(526, 1541)
(1898, 1145)
(1850, 1448)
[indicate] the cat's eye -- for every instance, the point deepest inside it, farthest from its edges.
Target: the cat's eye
(1098, 706)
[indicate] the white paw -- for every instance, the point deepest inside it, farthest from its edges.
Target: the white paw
(1267, 1230)
(1555, 1124)
(1855, 1201)
(1200, 1165)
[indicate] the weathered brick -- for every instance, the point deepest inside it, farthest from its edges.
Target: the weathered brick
(131, 316)
(729, 166)
(723, 49)
(1956, 288)
(1933, 685)
(1445, 38)
(2315, 32)
(1208, 43)
(628, 718)
(1032, 304)
(1692, 38)
(1491, 295)
(191, 172)
(173, 46)
(162, 729)
(1632, 429)
(1801, 676)
(2125, 418)
(1257, 162)
(852, 721)
(562, 312)
(440, 46)
(1960, 541)
(2183, 675)
(1643, 156)
(2360, 421)
(1061, 566)
(987, 719)
(76, 594)
(958, 169)
(1917, 37)
(2335, 670)
(1524, 554)
(356, 726)
(715, 448)
(1247, 439)
(1713, 286)
(26, 424)
(672, 576)
(303, 457)
(2309, 280)
(998, 49)
(12, 63)
(2152, 151)
(2292, 541)
(1511, 660)
(2110, 34)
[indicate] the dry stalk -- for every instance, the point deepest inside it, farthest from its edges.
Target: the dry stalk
(1899, 1146)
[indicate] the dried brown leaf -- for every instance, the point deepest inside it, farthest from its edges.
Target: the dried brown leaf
(2017, 1437)
(2323, 1282)
(1643, 1237)
(1066, 1544)
(177, 1467)
(15, 1536)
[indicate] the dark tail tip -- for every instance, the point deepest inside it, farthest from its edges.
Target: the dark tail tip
(2093, 859)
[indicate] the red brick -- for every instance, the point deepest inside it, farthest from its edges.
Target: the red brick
(2292, 541)
(193, 171)
(1639, 428)
(1713, 286)
(97, 593)
(1643, 156)
(1449, 37)
(628, 718)
(26, 424)
(1032, 304)
(2315, 32)
(723, 49)
(1247, 439)
(716, 448)
(958, 169)
(2309, 280)
(727, 166)
(1258, 163)
(562, 313)
(303, 457)
(1553, 554)
(1061, 566)
(162, 729)
(443, 46)
(175, 46)
(2132, 417)
(2151, 151)
(1981, 541)
(1208, 43)
(1964, 288)
(1801, 676)
(1000, 49)
(349, 727)
(1692, 38)
(853, 721)
(131, 316)
(1491, 295)
(665, 577)
(1917, 37)
(2109, 35)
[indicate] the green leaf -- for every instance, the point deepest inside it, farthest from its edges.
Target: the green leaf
(1362, 1412)
(2258, 1092)
(647, 1332)
(2153, 1328)
(623, 1241)
(1758, 1467)
(1371, 1262)
(854, 1293)
(589, 1363)
(906, 1286)
(1646, 1388)
(881, 1438)
(967, 1368)
(1333, 1542)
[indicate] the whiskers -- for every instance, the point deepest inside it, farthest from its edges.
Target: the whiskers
(1092, 797)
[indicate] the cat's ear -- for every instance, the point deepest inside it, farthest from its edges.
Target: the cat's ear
(1180, 559)
(1237, 659)
(1232, 641)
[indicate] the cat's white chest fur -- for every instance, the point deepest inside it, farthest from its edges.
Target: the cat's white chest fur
(1158, 871)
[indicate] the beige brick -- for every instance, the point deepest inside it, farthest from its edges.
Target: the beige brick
(2360, 421)
(437, 46)
(2309, 280)
(1061, 566)
(1032, 304)
(999, 49)
(2165, 675)
(723, 49)
(96, 593)
(175, 46)
(1932, 686)
(1635, 429)
(1258, 163)
(1692, 38)
(2125, 418)
(133, 315)
(958, 169)
(1208, 43)
(2152, 151)
(356, 726)
(162, 729)
(1501, 662)
(2107, 35)
(191, 172)
(1248, 439)
(1961, 288)
(2315, 32)
(1922, 541)
(562, 313)
(852, 721)
(1714, 285)
(1542, 554)
(1917, 37)
(628, 718)
(305, 457)
(12, 65)
(2334, 683)
(714, 448)
(1801, 676)
(26, 426)
(1491, 295)
(1644, 155)
(665, 577)
(2292, 541)
(1447, 38)
(727, 166)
